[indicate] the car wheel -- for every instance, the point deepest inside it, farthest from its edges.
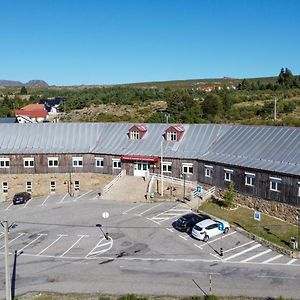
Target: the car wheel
(206, 238)
(226, 230)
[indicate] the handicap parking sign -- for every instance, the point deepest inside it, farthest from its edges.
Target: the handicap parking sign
(256, 215)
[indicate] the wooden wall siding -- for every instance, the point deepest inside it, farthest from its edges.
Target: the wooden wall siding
(288, 193)
(289, 186)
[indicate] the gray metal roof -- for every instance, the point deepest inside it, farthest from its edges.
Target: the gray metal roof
(260, 147)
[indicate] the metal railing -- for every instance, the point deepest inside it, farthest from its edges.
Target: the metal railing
(115, 180)
(204, 194)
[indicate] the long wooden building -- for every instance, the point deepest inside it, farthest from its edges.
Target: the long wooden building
(262, 161)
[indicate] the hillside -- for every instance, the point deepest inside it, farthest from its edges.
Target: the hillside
(224, 100)
(31, 83)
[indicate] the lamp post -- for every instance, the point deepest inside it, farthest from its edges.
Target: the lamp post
(183, 176)
(298, 219)
(161, 169)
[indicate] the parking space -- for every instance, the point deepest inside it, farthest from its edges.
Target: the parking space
(72, 246)
(51, 200)
(64, 227)
(234, 247)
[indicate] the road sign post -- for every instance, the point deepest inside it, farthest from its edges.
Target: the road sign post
(257, 215)
(221, 228)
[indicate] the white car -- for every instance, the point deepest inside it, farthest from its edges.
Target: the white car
(209, 228)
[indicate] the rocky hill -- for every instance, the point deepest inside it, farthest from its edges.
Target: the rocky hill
(31, 83)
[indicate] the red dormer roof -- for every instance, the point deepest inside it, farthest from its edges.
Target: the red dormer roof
(179, 129)
(138, 127)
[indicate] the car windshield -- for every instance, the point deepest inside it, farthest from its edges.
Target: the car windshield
(197, 227)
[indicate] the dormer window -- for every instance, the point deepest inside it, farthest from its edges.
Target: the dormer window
(172, 136)
(137, 132)
(174, 133)
(134, 135)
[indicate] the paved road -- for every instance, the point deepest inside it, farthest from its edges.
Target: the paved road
(59, 248)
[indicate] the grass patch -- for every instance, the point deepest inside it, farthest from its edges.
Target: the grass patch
(268, 228)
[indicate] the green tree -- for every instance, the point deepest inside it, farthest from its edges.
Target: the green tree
(229, 196)
(212, 107)
(23, 91)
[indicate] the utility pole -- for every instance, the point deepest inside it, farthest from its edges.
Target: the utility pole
(275, 109)
(7, 272)
(161, 169)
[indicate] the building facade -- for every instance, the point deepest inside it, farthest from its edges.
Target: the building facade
(41, 158)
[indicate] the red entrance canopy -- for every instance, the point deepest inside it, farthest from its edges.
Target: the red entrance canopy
(140, 158)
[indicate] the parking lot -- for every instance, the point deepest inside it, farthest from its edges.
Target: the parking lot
(69, 231)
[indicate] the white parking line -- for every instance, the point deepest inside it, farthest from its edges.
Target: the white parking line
(20, 250)
(63, 198)
(100, 245)
(240, 246)
(59, 237)
(132, 208)
(291, 261)
(20, 234)
(27, 203)
(170, 229)
(256, 255)
(81, 237)
(219, 238)
(82, 195)
(272, 258)
(45, 200)
(140, 214)
(7, 208)
(198, 246)
(183, 237)
(242, 252)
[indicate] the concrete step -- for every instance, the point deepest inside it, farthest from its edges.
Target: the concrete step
(128, 188)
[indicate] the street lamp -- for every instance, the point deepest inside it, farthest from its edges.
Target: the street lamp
(183, 176)
(104, 234)
(298, 219)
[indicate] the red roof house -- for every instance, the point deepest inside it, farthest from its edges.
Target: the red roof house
(36, 112)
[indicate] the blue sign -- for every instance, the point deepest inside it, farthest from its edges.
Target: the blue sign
(256, 215)
(199, 189)
(221, 226)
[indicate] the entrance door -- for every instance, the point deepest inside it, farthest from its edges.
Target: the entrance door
(141, 169)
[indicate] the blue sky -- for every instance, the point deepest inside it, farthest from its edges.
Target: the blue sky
(71, 42)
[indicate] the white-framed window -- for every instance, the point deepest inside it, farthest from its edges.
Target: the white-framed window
(5, 187)
(76, 185)
(28, 186)
(167, 167)
(134, 135)
(208, 170)
(99, 162)
(249, 179)
(52, 186)
(52, 162)
(171, 136)
(4, 162)
(187, 168)
(77, 162)
(116, 163)
(275, 184)
(28, 162)
(298, 188)
(228, 174)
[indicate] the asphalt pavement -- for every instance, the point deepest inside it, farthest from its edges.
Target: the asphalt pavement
(57, 246)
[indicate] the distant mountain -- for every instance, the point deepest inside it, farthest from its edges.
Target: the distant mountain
(31, 83)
